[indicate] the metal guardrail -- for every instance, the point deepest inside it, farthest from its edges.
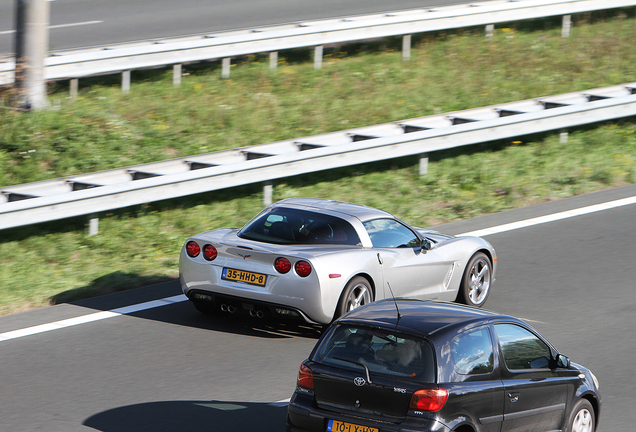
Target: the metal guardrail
(175, 51)
(107, 190)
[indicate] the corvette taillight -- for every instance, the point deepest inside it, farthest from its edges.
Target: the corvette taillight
(193, 249)
(305, 378)
(303, 268)
(282, 265)
(430, 400)
(209, 252)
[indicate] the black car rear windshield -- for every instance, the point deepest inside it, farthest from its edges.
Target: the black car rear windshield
(292, 226)
(384, 353)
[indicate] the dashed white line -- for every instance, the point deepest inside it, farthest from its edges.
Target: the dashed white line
(75, 24)
(179, 298)
(59, 26)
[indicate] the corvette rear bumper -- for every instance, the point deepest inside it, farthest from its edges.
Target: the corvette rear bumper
(254, 308)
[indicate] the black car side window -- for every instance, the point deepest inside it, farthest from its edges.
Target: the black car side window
(472, 352)
(521, 348)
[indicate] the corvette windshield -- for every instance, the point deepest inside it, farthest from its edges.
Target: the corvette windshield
(292, 226)
(379, 353)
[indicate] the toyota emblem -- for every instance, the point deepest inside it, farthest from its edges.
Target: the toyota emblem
(359, 381)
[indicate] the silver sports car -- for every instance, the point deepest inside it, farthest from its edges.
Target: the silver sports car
(316, 259)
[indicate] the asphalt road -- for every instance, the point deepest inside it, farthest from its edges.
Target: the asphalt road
(84, 23)
(170, 368)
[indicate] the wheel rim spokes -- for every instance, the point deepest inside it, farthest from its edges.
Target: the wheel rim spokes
(359, 296)
(582, 422)
(479, 281)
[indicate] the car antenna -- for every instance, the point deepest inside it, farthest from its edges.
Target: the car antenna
(399, 315)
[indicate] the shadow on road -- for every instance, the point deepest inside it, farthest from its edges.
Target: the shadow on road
(191, 416)
(184, 314)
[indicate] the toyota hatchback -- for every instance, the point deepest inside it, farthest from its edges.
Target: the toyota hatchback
(411, 365)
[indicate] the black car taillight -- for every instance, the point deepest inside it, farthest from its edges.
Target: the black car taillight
(193, 249)
(209, 252)
(430, 400)
(305, 378)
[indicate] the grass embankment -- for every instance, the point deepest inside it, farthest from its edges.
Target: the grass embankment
(104, 129)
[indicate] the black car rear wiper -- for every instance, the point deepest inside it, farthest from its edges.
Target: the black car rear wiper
(366, 369)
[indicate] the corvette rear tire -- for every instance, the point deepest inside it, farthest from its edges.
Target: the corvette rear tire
(475, 286)
(356, 293)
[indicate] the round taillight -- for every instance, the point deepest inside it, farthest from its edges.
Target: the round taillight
(282, 265)
(193, 249)
(209, 252)
(305, 378)
(430, 400)
(303, 268)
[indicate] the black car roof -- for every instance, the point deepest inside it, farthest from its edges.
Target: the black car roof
(420, 316)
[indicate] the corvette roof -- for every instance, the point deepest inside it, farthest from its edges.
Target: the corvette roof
(315, 204)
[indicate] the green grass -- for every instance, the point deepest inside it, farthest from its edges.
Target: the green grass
(369, 84)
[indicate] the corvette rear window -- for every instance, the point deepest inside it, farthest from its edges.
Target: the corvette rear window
(384, 353)
(291, 226)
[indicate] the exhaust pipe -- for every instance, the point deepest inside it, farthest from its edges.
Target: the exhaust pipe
(231, 309)
(254, 313)
(224, 307)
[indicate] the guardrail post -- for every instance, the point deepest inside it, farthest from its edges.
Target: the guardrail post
(490, 30)
(318, 57)
(176, 75)
(273, 59)
(563, 136)
(567, 25)
(93, 225)
(267, 193)
(406, 47)
(423, 164)
(225, 67)
(125, 81)
(74, 86)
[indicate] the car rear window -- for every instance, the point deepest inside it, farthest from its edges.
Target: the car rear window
(292, 226)
(384, 353)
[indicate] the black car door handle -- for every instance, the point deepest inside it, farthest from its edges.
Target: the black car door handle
(514, 396)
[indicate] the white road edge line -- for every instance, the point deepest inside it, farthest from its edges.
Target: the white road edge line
(179, 298)
(553, 217)
(97, 316)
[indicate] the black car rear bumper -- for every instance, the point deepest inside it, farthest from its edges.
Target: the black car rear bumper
(304, 416)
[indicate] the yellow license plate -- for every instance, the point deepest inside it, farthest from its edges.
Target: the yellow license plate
(244, 276)
(339, 426)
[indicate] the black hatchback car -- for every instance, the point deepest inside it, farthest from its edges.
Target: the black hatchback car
(412, 365)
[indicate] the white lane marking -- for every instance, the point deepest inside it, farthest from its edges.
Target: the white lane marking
(97, 316)
(59, 26)
(75, 24)
(179, 298)
(553, 217)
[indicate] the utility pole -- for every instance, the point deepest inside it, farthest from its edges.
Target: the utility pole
(31, 48)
